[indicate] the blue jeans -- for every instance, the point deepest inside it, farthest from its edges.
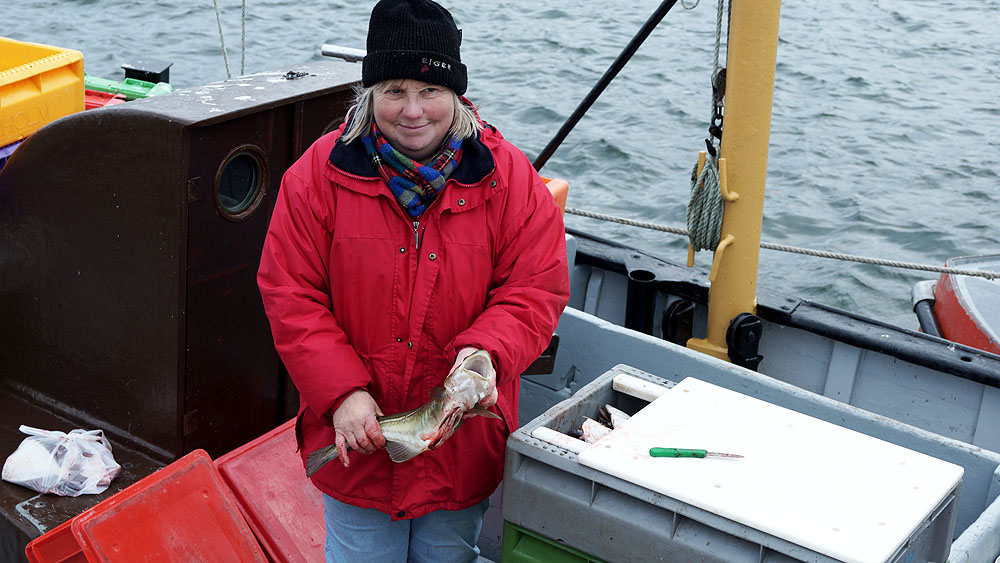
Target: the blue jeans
(365, 535)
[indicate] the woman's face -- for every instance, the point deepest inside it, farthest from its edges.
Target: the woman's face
(414, 116)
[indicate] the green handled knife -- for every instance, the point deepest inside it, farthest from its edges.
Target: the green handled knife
(681, 452)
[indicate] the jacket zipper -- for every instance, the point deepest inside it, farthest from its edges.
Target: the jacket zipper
(416, 235)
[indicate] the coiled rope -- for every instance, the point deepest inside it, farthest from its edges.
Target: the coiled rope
(796, 249)
(704, 211)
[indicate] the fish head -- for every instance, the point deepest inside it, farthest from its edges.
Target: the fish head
(471, 380)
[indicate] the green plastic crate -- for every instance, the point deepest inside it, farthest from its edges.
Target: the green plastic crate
(522, 546)
(131, 88)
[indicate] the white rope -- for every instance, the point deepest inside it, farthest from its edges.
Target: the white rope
(796, 249)
(218, 19)
(718, 38)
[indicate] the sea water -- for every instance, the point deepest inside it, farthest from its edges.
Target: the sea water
(883, 136)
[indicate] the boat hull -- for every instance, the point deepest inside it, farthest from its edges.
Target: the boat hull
(968, 308)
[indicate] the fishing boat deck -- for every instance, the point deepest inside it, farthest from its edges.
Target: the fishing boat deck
(147, 309)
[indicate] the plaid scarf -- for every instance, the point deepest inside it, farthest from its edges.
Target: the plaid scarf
(415, 185)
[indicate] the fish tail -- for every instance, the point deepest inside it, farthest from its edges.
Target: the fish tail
(319, 458)
(482, 411)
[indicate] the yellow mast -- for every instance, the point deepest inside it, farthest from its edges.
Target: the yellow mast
(751, 57)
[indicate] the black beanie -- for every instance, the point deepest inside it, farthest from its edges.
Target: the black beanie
(414, 39)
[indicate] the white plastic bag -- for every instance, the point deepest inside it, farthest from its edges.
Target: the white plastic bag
(69, 465)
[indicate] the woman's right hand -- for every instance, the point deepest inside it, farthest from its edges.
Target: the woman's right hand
(356, 426)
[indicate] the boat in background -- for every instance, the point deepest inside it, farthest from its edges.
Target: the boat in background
(960, 308)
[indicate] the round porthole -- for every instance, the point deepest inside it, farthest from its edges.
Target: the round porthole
(239, 185)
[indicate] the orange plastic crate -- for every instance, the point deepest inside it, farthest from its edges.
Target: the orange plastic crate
(38, 84)
(559, 189)
(279, 502)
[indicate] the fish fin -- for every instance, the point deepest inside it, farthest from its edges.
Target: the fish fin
(399, 452)
(319, 458)
(483, 411)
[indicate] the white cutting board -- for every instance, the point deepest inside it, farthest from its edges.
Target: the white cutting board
(838, 492)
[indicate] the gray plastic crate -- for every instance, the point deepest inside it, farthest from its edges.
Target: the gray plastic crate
(548, 492)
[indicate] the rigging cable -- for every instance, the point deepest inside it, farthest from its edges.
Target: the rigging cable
(225, 57)
(796, 249)
(705, 208)
(243, 39)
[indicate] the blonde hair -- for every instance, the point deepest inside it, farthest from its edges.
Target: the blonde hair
(464, 124)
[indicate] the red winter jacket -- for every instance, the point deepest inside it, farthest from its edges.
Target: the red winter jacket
(360, 296)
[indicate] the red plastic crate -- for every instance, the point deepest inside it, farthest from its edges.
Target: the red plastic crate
(279, 502)
(183, 512)
(95, 99)
(56, 546)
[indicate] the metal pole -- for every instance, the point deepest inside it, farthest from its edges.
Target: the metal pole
(609, 75)
(752, 54)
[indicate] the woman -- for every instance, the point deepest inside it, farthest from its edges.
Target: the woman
(400, 244)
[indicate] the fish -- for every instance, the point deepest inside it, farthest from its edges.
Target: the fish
(593, 431)
(413, 432)
(617, 416)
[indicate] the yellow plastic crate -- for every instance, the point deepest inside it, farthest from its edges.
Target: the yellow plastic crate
(38, 84)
